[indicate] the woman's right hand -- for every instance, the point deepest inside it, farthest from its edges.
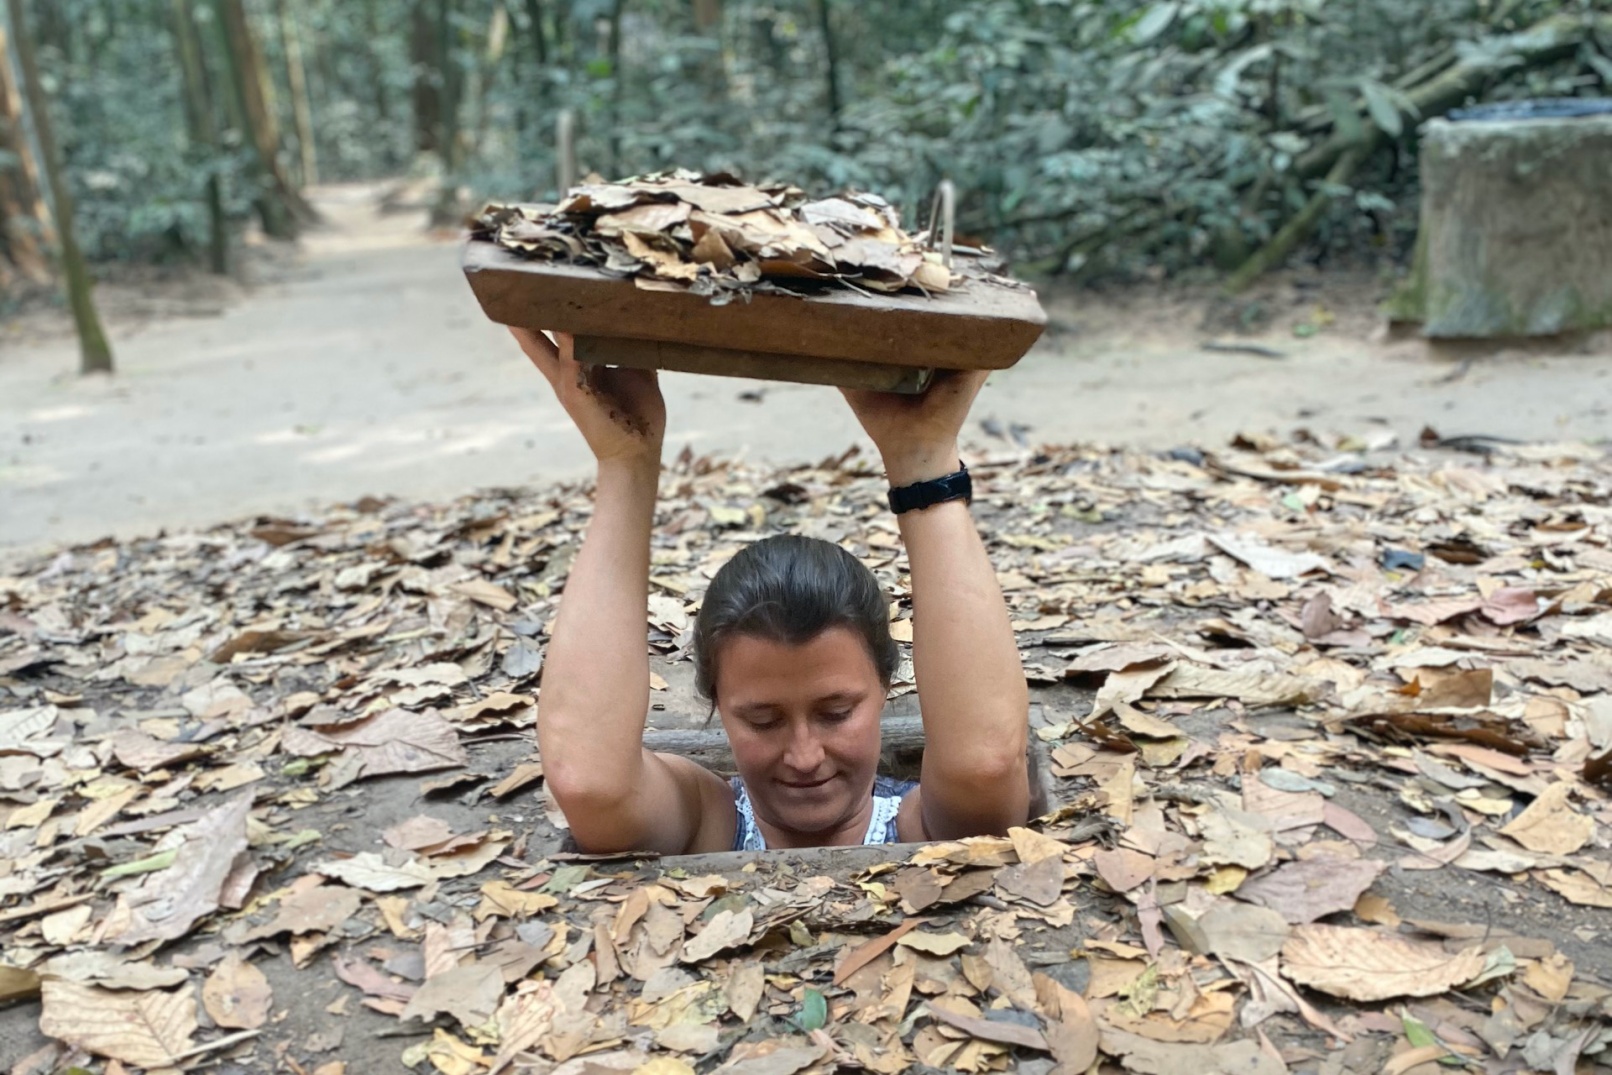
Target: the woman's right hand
(620, 412)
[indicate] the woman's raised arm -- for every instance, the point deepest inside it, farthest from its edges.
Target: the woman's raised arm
(970, 680)
(590, 715)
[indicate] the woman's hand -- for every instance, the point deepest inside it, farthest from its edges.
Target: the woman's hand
(917, 435)
(620, 412)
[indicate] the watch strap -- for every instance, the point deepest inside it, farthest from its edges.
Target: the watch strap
(919, 495)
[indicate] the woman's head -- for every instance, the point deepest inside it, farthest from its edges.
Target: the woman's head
(792, 645)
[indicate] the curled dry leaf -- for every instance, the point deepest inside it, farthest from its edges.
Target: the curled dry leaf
(1370, 965)
(170, 901)
(727, 929)
(1550, 825)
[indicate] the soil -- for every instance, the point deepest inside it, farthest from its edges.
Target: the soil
(361, 365)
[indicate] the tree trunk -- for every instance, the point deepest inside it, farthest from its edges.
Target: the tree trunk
(451, 135)
(281, 208)
(617, 9)
(487, 74)
(25, 228)
(203, 130)
(426, 94)
(372, 33)
(535, 33)
(95, 353)
(296, 76)
(831, 55)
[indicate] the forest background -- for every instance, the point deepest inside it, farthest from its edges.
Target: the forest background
(1096, 139)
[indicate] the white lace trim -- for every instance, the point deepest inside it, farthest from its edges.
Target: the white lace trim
(881, 825)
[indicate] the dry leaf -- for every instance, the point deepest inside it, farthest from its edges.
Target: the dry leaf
(318, 909)
(1306, 890)
(935, 944)
(1367, 965)
(171, 900)
(1550, 826)
(990, 1029)
(147, 1029)
(386, 871)
(727, 929)
(865, 953)
(1148, 1057)
(745, 982)
(470, 993)
(392, 741)
(236, 994)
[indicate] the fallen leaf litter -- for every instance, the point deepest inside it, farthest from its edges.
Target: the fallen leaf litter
(1221, 659)
(714, 235)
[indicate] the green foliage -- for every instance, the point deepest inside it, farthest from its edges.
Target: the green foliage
(1096, 136)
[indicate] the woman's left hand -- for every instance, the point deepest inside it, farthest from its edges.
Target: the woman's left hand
(917, 435)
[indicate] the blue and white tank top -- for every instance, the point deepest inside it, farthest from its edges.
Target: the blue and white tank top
(887, 795)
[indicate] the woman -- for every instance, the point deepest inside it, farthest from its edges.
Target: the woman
(793, 649)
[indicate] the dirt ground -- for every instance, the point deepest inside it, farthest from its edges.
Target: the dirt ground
(1377, 716)
(154, 673)
(361, 365)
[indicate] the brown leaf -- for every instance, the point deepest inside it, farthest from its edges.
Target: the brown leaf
(727, 929)
(1071, 1032)
(417, 832)
(1369, 965)
(1511, 604)
(866, 952)
(470, 993)
(136, 750)
(392, 741)
(17, 983)
(1234, 837)
(1549, 825)
(1206, 1020)
(990, 1029)
(1590, 886)
(237, 994)
(149, 1030)
(319, 909)
(485, 593)
(1009, 975)
(935, 944)
(1306, 890)
(1123, 869)
(523, 775)
(363, 975)
(171, 900)
(1039, 882)
(1550, 977)
(1148, 1057)
(745, 982)
(1235, 930)
(385, 871)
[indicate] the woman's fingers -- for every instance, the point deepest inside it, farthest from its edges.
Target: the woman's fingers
(542, 351)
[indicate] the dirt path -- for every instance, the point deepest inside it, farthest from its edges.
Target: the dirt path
(366, 368)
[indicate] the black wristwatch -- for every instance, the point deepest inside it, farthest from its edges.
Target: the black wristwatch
(920, 495)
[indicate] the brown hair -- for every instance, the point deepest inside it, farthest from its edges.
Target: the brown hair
(790, 589)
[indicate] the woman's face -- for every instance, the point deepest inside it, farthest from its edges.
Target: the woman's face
(804, 724)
